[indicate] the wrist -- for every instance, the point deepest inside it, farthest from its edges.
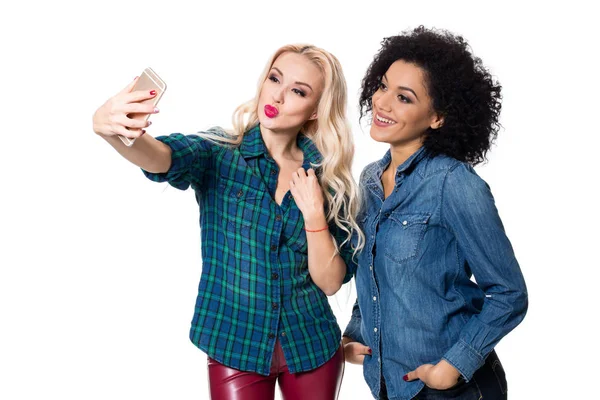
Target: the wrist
(448, 370)
(315, 221)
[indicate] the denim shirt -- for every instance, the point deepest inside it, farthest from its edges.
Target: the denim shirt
(416, 301)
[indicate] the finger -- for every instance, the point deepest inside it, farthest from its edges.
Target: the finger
(411, 376)
(295, 178)
(361, 349)
(132, 123)
(301, 173)
(129, 86)
(129, 133)
(139, 95)
(311, 173)
(293, 189)
(138, 108)
(351, 357)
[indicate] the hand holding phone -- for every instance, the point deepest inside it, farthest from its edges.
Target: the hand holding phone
(147, 81)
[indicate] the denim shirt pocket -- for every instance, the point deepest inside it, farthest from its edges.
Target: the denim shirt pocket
(405, 233)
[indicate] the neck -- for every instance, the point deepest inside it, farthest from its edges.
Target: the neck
(401, 153)
(281, 144)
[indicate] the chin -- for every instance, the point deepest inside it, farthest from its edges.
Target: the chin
(377, 135)
(265, 121)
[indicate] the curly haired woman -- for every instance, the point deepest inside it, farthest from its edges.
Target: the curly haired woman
(421, 327)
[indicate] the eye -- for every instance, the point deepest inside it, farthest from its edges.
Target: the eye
(382, 86)
(273, 78)
(404, 99)
(299, 92)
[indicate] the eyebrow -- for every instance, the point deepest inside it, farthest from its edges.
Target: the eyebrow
(404, 88)
(297, 82)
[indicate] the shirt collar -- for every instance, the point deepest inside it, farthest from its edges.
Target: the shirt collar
(253, 146)
(407, 165)
(252, 143)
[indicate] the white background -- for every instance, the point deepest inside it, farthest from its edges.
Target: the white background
(100, 267)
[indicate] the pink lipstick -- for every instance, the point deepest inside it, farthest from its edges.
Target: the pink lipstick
(271, 111)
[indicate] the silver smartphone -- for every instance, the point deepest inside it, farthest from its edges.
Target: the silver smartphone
(148, 80)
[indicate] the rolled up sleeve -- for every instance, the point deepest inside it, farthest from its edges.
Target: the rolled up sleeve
(191, 157)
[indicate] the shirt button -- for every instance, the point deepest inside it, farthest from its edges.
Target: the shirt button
(283, 334)
(271, 336)
(273, 172)
(240, 193)
(371, 267)
(274, 275)
(273, 247)
(399, 174)
(275, 306)
(374, 298)
(375, 330)
(404, 223)
(278, 217)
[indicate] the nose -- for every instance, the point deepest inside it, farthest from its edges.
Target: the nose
(278, 95)
(382, 101)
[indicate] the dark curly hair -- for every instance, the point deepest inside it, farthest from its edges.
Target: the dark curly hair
(461, 88)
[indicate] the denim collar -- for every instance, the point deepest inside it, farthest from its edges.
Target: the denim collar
(405, 167)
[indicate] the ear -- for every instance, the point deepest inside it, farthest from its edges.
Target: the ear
(437, 121)
(313, 116)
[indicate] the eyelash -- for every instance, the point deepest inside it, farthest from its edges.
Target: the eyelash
(402, 98)
(299, 92)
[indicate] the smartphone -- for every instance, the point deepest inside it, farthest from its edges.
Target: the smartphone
(148, 80)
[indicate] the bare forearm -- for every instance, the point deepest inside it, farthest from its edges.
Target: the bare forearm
(146, 152)
(327, 269)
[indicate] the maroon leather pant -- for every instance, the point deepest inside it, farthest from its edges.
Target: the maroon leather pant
(322, 383)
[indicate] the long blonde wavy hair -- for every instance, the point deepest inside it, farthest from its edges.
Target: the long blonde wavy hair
(330, 132)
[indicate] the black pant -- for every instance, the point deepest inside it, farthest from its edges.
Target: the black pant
(488, 383)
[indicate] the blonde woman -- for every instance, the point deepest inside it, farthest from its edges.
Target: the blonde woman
(277, 211)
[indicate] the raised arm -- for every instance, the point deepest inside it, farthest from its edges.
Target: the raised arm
(111, 119)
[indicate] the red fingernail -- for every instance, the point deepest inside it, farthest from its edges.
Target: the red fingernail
(153, 92)
(370, 351)
(405, 377)
(143, 131)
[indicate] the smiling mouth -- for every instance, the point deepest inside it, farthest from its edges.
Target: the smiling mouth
(379, 120)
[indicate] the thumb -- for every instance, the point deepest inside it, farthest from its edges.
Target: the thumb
(411, 376)
(419, 373)
(362, 349)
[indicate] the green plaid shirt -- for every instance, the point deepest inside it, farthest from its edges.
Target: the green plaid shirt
(255, 286)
